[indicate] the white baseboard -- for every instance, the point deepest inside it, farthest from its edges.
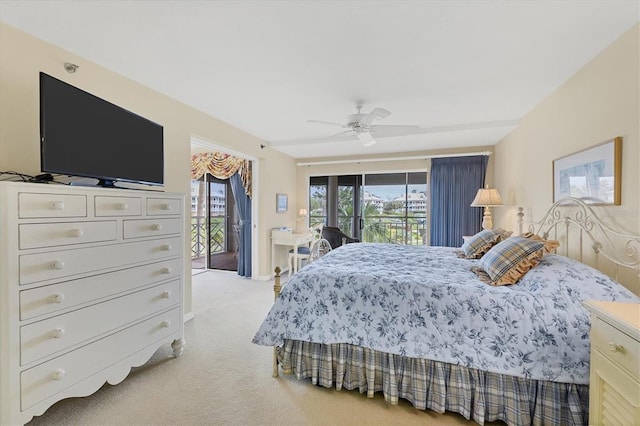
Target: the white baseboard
(264, 277)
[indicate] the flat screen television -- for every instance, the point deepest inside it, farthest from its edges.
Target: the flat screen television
(84, 135)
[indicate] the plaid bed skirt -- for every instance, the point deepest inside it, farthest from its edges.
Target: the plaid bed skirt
(438, 386)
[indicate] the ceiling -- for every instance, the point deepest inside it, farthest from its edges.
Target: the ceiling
(464, 71)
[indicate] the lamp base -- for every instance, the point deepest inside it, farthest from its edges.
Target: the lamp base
(487, 222)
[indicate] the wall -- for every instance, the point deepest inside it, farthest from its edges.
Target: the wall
(598, 103)
(22, 57)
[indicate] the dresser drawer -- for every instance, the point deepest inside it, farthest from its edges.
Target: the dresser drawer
(164, 206)
(67, 263)
(52, 335)
(617, 346)
(47, 379)
(32, 205)
(35, 235)
(55, 297)
(118, 206)
(150, 227)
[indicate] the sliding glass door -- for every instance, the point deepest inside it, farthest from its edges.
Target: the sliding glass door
(214, 225)
(223, 235)
(381, 207)
(394, 208)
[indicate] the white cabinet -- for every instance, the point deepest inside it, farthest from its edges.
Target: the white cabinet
(614, 391)
(91, 284)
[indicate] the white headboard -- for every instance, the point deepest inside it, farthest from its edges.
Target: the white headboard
(584, 236)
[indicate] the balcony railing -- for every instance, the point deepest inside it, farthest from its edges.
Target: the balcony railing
(395, 230)
(385, 229)
(199, 236)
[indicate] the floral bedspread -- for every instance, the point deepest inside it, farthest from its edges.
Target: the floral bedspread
(426, 302)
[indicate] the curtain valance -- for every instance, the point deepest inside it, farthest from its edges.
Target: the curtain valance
(222, 166)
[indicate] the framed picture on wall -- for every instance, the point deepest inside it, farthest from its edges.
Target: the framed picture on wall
(282, 203)
(593, 174)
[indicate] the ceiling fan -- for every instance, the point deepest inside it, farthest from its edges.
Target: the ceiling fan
(361, 125)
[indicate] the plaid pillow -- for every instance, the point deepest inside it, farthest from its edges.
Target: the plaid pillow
(550, 246)
(510, 259)
(480, 243)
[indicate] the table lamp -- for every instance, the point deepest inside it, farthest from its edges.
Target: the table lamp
(487, 197)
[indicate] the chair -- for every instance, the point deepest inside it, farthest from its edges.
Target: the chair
(304, 253)
(319, 248)
(336, 237)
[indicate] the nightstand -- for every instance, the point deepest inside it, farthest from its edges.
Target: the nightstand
(614, 393)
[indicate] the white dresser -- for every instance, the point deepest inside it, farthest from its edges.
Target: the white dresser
(614, 388)
(91, 284)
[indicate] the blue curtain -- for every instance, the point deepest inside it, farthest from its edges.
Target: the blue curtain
(454, 184)
(243, 205)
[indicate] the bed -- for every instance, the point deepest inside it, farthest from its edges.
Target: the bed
(419, 323)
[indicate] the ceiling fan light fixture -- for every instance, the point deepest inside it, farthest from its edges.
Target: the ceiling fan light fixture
(366, 139)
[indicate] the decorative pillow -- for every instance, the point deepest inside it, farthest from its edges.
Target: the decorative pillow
(550, 246)
(480, 243)
(510, 259)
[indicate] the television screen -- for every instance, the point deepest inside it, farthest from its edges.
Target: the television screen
(83, 135)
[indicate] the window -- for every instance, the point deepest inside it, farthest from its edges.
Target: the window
(318, 203)
(386, 207)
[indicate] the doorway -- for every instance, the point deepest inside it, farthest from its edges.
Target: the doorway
(215, 225)
(223, 223)
(224, 219)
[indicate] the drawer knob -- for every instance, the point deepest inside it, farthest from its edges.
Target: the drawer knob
(58, 333)
(57, 298)
(613, 347)
(167, 207)
(59, 374)
(76, 233)
(166, 247)
(166, 324)
(57, 205)
(122, 206)
(166, 270)
(57, 264)
(166, 294)
(156, 227)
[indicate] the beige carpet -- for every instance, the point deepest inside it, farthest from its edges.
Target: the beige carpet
(224, 379)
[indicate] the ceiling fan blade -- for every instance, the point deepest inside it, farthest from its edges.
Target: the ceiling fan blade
(326, 122)
(376, 113)
(339, 135)
(345, 135)
(387, 131)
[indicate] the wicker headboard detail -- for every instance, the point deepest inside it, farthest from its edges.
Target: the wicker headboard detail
(584, 236)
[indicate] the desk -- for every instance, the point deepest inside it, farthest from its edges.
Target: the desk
(288, 239)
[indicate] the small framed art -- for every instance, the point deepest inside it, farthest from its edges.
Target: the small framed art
(282, 203)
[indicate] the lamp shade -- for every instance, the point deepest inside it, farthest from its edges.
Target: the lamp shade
(487, 197)
(302, 212)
